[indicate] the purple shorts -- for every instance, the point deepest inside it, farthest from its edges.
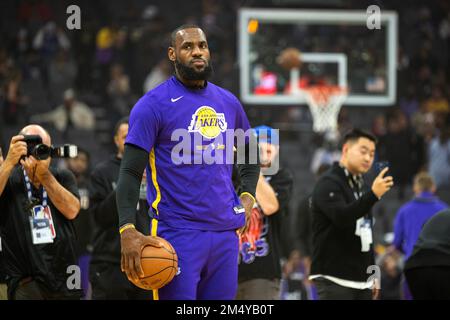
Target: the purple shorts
(207, 262)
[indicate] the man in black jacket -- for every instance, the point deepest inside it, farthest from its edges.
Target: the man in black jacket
(107, 280)
(342, 223)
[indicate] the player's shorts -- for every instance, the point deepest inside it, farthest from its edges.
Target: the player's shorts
(207, 261)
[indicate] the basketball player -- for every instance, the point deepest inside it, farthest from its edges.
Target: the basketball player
(194, 206)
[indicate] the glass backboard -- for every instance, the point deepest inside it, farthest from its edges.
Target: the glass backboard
(337, 48)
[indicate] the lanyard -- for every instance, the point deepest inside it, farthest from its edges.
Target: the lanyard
(356, 186)
(30, 194)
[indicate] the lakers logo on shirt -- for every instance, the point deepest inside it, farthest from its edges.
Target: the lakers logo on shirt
(208, 122)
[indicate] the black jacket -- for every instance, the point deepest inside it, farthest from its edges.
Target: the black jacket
(47, 263)
(432, 249)
(106, 239)
(336, 248)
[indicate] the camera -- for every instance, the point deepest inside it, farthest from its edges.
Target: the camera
(41, 151)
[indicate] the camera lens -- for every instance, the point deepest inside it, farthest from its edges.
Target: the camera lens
(41, 152)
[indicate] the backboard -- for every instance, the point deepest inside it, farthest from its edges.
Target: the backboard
(337, 48)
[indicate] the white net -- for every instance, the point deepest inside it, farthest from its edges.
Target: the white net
(325, 103)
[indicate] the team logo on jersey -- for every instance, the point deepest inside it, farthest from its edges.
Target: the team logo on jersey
(208, 122)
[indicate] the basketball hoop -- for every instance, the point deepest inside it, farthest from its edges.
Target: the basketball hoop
(324, 102)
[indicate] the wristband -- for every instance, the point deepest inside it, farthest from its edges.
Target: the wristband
(250, 195)
(125, 227)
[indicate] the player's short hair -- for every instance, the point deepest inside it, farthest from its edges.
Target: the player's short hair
(173, 35)
(122, 121)
(424, 181)
(355, 134)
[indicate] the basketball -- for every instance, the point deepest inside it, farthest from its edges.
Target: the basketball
(290, 58)
(159, 265)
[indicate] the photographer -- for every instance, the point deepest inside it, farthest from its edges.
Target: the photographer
(36, 206)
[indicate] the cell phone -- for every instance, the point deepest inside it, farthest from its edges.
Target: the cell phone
(380, 165)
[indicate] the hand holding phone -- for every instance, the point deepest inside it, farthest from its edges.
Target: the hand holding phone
(380, 165)
(382, 183)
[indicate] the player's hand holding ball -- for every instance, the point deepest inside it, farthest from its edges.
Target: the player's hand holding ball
(132, 242)
(382, 184)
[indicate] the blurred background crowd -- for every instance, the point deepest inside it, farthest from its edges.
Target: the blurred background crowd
(79, 83)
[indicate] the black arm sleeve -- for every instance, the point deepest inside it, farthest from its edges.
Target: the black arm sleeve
(132, 168)
(248, 171)
(249, 175)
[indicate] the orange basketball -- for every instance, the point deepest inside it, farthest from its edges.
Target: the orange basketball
(289, 58)
(159, 265)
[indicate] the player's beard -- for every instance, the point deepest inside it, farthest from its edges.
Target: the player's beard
(190, 73)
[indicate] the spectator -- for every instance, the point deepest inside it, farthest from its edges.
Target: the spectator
(105, 44)
(62, 75)
(327, 154)
(36, 259)
(404, 149)
(295, 285)
(439, 160)
(302, 227)
(379, 126)
(409, 104)
(158, 75)
(71, 114)
(391, 277)
(121, 48)
(413, 215)
(119, 90)
(259, 267)
(428, 268)
(83, 224)
(49, 40)
(14, 104)
(423, 123)
(437, 103)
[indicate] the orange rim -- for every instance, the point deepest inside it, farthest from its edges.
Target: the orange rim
(321, 94)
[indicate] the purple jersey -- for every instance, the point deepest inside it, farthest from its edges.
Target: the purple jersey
(193, 195)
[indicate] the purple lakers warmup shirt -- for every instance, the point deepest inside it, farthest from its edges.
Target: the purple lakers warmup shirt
(188, 195)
